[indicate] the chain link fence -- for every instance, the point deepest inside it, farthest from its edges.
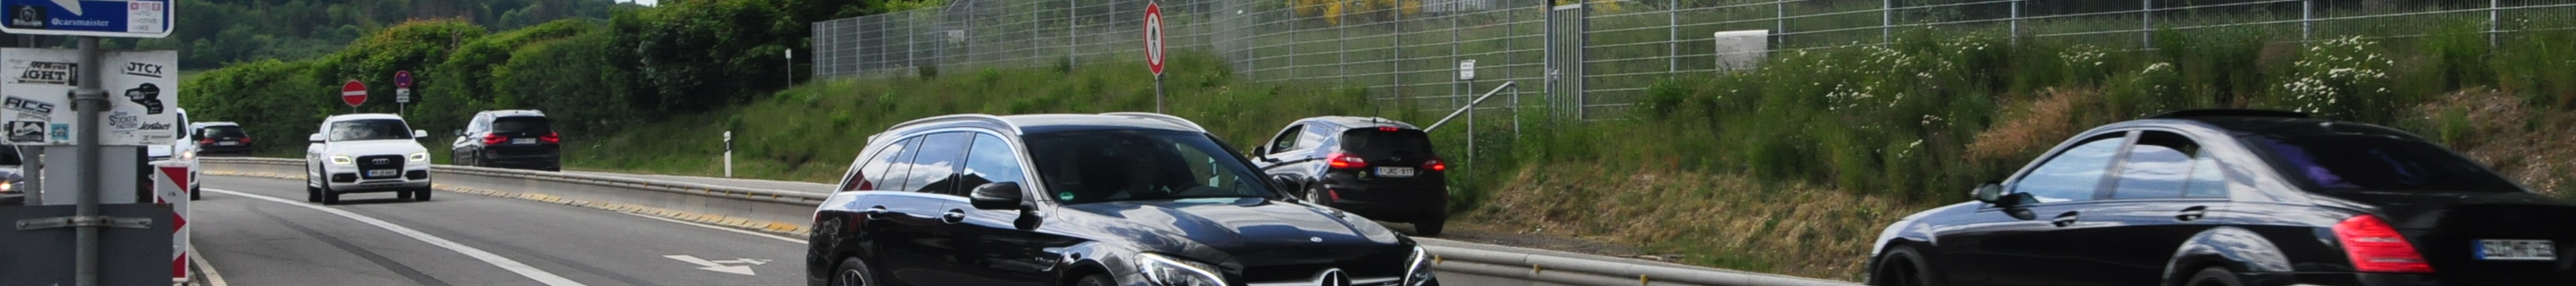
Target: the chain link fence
(1594, 58)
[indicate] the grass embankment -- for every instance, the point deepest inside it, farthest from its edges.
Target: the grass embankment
(1788, 169)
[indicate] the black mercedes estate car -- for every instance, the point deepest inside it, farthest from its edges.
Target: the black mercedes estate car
(1380, 168)
(1095, 200)
(2238, 197)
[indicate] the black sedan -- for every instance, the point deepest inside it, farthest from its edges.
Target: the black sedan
(2238, 197)
(1090, 200)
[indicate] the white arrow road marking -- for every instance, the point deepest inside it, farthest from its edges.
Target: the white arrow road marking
(73, 5)
(743, 261)
(713, 266)
(549, 278)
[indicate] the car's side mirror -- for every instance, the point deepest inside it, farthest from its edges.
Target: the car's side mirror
(417, 133)
(1258, 151)
(315, 138)
(1287, 185)
(1989, 192)
(998, 196)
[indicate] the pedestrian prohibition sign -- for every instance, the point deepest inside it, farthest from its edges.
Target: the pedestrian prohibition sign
(1154, 37)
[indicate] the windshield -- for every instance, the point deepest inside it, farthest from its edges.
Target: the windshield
(369, 129)
(528, 124)
(1123, 165)
(9, 155)
(2379, 163)
(1383, 140)
(223, 132)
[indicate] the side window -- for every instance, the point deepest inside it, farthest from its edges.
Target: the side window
(869, 167)
(1287, 140)
(2157, 167)
(886, 173)
(991, 161)
(1311, 138)
(2208, 180)
(935, 170)
(2073, 175)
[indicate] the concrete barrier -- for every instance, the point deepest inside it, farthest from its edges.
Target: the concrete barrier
(790, 208)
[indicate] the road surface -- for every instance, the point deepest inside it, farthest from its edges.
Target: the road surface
(258, 231)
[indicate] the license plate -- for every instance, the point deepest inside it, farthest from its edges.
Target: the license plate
(524, 141)
(1395, 172)
(227, 143)
(383, 173)
(2527, 250)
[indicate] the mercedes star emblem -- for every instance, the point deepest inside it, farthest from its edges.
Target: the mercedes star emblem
(1334, 277)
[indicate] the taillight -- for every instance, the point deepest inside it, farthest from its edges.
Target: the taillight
(206, 141)
(245, 140)
(1345, 161)
(2376, 247)
(1386, 128)
(493, 139)
(552, 137)
(1436, 165)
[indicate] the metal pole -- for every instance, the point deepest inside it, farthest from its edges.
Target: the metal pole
(2307, 17)
(1158, 93)
(1780, 22)
(2495, 23)
(1886, 18)
(2016, 22)
(1071, 42)
(2146, 24)
(1672, 45)
(90, 100)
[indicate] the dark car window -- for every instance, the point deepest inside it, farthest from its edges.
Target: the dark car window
(2073, 175)
(1287, 140)
(1120, 165)
(528, 124)
(870, 169)
(222, 132)
(991, 161)
(1375, 140)
(886, 173)
(9, 156)
(369, 129)
(2378, 163)
(2157, 167)
(935, 169)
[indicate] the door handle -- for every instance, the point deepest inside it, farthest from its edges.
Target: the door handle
(954, 216)
(2192, 213)
(875, 213)
(2063, 220)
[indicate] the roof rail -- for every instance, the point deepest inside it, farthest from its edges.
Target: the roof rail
(1015, 129)
(2190, 113)
(1164, 117)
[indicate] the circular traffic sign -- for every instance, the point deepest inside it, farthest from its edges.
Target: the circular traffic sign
(1154, 37)
(402, 79)
(353, 93)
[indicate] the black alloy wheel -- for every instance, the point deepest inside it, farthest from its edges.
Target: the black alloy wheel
(852, 273)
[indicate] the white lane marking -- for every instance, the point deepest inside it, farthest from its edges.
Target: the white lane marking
(788, 239)
(717, 267)
(206, 271)
(505, 263)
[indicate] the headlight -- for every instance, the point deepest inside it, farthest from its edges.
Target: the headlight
(1167, 271)
(188, 156)
(8, 187)
(1420, 271)
(342, 160)
(420, 157)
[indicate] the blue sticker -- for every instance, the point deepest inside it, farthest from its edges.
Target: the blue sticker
(1064, 196)
(62, 132)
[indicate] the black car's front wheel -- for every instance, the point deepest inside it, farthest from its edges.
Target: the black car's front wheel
(1901, 266)
(852, 272)
(1095, 279)
(2215, 276)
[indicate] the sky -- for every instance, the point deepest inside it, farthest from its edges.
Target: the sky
(645, 2)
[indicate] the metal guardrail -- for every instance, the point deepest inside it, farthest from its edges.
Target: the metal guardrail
(1540, 266)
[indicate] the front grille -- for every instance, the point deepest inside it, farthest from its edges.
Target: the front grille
(380, 162)
(1373, 267)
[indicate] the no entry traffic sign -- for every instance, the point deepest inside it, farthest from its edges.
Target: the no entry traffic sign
(353, 93)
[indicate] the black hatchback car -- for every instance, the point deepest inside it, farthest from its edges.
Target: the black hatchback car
(1095, 200)
(1382, 169)
(2238, 197)
(523, 139)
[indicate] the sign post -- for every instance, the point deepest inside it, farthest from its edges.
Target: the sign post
(1154, 50)
(402, 91)
(353, 93)
(89, 98)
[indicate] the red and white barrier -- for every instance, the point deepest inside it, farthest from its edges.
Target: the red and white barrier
(171, 182)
